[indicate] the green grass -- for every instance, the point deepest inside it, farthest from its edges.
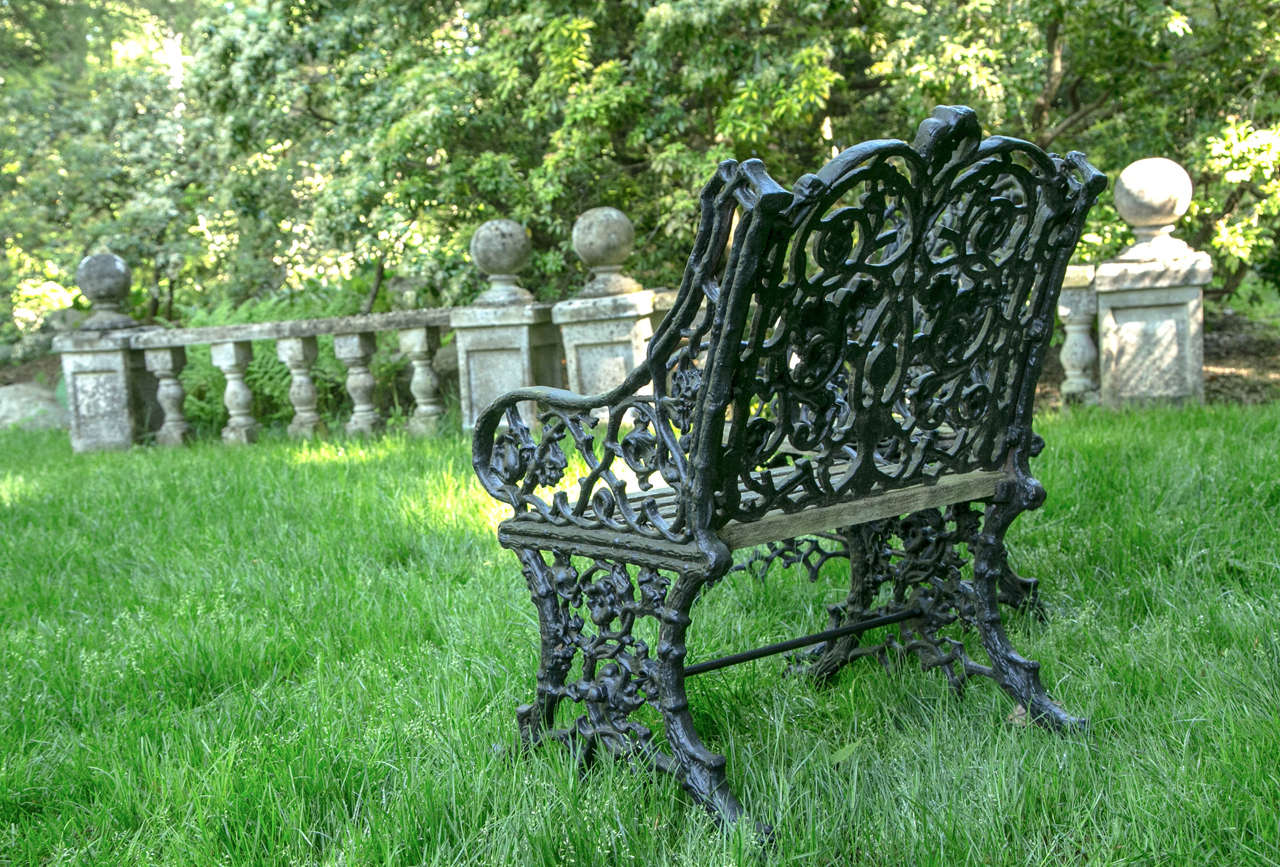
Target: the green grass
(308, 654)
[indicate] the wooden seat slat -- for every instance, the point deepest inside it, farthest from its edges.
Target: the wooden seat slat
(775, 526)
(779, 525)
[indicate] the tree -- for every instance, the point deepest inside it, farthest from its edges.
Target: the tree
(1195, 81)
(96, 150)
(354, 140)
(427, 119)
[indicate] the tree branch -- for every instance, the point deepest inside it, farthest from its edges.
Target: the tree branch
(630, 161)
(314, 112)
(1229, 284)
(1076, 118)
(1053, 77)
(379, 271)
(1228, 208)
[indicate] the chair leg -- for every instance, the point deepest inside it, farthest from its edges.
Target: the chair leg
(593, 654)
(915, 562)
(1022, 594)
(869, 567)
(871, 556)
(537, 720)
(700, 771)
(1016, 675)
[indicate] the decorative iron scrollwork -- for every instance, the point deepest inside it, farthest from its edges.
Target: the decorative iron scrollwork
(878, 327)
(903, 340)
(593, 616)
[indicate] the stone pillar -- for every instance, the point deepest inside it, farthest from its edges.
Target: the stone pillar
(606, 328)
(504, 340)
(420, 344)
(1150, 297)
(1077, 308)
(299, 355)
(166, 364)
(356, 351)
(233, 359)
(105, 380)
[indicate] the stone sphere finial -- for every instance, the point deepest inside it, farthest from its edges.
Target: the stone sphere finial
(104, 279)
(1151, 195)
(500, 248)
(603, 238)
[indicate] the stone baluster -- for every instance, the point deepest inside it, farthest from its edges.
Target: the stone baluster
(233, 359)
(355, 351)
(419, 344)
(1079, 354)
(166, 364)
(1077, 307)
(299, 355)
(607, 326)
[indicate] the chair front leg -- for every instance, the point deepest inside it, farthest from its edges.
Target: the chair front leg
(1016, 675)
(700, 771)
(613, 641)
(537, 720)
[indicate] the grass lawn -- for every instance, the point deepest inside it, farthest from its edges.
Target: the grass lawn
(307, 653)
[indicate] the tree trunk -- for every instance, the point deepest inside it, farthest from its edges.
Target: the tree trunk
(168, 301)
(378, 272)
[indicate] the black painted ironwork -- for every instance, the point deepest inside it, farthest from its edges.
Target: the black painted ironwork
(878, 327)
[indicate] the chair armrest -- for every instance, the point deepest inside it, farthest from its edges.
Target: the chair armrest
(567, 471)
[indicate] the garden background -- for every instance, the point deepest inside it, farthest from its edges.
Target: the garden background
(269, 160)
(311, 652)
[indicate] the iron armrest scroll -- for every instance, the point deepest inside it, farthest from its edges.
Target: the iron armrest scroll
(589, 461)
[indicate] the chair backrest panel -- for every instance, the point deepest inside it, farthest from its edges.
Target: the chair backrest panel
(883, 324)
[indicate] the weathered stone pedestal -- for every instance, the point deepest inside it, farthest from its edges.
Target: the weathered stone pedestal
(502, 348)
(604, 338)
(504, 339)
(1151, 329)
(112, 395)
(607, 327)
(1150, 298)
(106, 383)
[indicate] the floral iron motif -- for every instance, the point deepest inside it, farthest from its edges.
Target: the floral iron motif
(879, 327)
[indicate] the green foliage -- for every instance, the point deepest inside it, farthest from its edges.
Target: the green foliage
(98, 151)
(305, 653)
(1238, 210)
(357, 140)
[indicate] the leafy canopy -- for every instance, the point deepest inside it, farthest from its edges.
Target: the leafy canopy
(304, 141)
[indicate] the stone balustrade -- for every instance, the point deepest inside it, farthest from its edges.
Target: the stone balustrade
(588, 343)
(123, 379)
(123, 382)
(1147, 302)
